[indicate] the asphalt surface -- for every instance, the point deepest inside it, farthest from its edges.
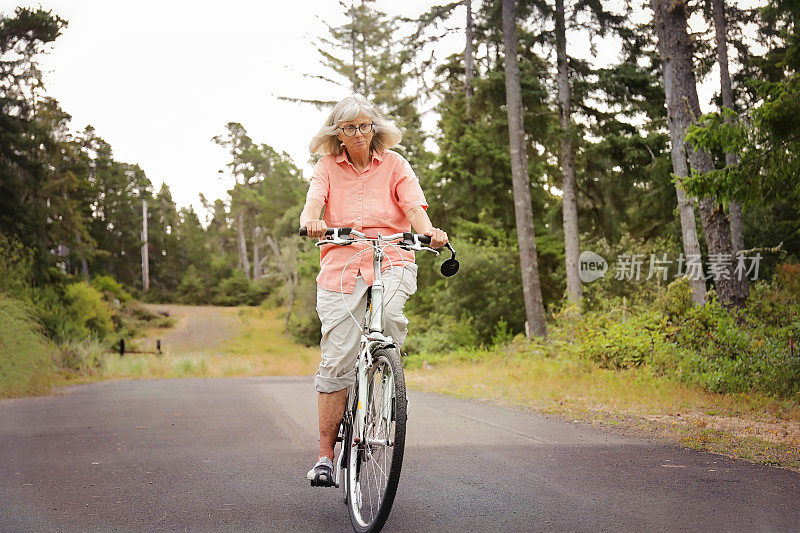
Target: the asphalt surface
(231, 454)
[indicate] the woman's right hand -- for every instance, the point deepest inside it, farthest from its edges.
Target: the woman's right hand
(316, 228)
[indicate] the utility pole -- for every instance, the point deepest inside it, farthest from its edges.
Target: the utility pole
(468, 61)
(145, 258)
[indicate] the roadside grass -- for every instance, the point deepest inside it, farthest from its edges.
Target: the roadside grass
(259, 348)
(26, 365)
(635, 402)
(263, 345)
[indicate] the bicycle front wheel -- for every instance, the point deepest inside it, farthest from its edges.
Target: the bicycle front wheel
(374, 464)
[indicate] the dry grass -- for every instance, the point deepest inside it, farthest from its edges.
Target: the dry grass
(263, 344)
(634, 402)
(256, 346)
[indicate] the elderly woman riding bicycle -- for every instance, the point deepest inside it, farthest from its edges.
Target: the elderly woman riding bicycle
(362, 184)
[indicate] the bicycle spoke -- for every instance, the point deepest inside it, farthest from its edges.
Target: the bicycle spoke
(369, 493)
(374, 480)
(377, 485)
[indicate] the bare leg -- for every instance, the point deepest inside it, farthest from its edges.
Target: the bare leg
(331, 408)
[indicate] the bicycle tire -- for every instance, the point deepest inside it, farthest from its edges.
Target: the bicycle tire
(346, 430)
(378, 466)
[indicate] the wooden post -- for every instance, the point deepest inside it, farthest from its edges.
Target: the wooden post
(145, 257)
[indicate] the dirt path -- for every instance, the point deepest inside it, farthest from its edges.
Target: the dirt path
(196, 329)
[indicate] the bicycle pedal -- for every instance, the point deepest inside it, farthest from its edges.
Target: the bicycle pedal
(320, 483)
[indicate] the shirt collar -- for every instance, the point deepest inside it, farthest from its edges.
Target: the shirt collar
(341, 158)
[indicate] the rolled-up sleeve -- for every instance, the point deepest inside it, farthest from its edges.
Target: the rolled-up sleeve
(407, 191)
(320, 183)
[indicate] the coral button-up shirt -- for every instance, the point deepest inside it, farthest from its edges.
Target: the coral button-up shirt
(374, 201)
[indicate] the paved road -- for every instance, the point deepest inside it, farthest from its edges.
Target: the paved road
(231, 455)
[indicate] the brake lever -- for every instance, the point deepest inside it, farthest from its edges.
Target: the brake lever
(427, 249)
(415, 245)
(337, 239)
(337, 242)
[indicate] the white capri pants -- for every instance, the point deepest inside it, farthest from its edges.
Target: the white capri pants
(341, 334)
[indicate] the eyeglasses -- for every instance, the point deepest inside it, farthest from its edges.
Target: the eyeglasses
(350, 131)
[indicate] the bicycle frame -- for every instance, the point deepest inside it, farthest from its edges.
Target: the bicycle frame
(372, 338)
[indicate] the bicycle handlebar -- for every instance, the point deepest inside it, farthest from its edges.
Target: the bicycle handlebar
(329, 231)
(424, 239)
(409, 241)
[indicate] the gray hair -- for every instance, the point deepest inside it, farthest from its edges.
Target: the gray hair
(326, 141)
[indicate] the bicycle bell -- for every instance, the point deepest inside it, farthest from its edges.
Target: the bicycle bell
(450, 266)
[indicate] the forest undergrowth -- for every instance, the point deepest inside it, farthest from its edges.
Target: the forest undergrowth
(700, 376)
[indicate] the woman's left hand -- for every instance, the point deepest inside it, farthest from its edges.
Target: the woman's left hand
(438, 237)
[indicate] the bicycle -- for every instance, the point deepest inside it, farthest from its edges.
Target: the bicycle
(373, 428)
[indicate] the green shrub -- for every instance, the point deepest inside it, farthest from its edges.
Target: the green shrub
(743, 351)
(80, 356)
(144, 314)
(90, 315)
(110, 288)
(16, 263)
(788, 276)
(713, 332)
(440, 333)
(261, 289)
(25, 354)
(304, 324)
(192, 288)
(485, 292)
(234, 290)
(676, 299)
(608, 291)
(638, 340)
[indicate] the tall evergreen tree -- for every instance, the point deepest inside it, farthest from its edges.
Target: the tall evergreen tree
(569, 203)
(239, 144)
(367, 52)
(531, 288)
(726, 91)
(29, 191)
(682, 103)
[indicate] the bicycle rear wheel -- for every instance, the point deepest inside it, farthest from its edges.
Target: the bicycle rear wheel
(374, 465)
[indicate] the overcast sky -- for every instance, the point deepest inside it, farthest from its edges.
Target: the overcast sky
(158, 79)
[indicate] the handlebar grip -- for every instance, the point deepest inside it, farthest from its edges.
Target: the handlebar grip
(424, 239)
(329, 231)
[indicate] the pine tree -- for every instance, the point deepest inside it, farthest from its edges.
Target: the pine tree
(367, 53)
(681, 91)
(519, 168)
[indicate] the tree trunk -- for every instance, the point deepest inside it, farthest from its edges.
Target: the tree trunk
(256, 250)
(145, 249)
(292, 282)
(569, 205)
(737, 230)
(680, 167)
(82, 257)
(244, 262)
(726, 89)
(469, 66)
(531, 289)
(354, 75)
(682, 106)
